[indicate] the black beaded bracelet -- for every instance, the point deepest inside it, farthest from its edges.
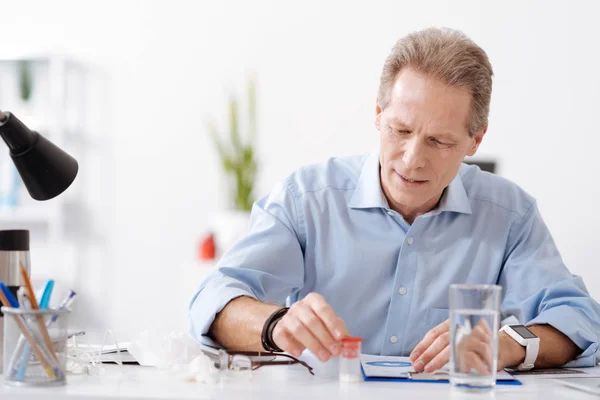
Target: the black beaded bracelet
(267, 331)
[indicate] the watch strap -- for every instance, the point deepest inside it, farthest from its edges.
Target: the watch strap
(531, 352)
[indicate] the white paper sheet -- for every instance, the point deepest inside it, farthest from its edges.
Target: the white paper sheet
(554, 373)
(590, 385)
(401, 367)
(386, 366)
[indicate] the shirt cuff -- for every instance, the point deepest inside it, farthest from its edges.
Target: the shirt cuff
(509, 320)
(572, 324)
(209, 301)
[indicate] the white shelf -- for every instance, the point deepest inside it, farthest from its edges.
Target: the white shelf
(28, 215)
(71, 229)
(17, 57)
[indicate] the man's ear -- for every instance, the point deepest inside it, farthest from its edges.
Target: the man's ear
(476, 142)
(378, 112)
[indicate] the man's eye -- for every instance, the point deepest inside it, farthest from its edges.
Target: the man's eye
(438, 143)
(401, 131)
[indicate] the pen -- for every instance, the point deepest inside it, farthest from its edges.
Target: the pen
(21, 344)
(20, 373)
(35, 306)
(45, 301)
(23, 301)
(43, 305)
(64, 305)
(9, 301)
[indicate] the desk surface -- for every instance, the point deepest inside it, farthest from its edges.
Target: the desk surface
(291, 382)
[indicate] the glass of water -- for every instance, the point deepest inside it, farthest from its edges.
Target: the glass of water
(474, 319)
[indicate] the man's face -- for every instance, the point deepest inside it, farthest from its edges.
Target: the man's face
(424, 139)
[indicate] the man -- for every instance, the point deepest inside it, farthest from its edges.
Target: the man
(368, 246)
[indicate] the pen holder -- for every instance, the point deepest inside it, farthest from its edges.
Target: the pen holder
(35, 347)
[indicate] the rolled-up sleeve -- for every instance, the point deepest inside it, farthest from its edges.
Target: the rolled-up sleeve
(267, 264)
(539, 289)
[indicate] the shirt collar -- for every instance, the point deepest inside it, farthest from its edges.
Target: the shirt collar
(454, 198)
(368, 192)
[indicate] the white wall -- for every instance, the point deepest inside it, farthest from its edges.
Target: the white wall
(318, 65)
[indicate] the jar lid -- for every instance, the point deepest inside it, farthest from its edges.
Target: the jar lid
(14, 240)
(351, 342)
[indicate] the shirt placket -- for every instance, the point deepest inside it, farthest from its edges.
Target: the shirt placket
(400, 304)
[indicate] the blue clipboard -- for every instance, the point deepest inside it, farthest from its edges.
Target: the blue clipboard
(404, 378)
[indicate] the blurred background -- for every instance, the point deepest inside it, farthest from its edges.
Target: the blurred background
(138, 91)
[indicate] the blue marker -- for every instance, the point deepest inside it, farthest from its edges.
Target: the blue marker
(9, 296)
(45, 301)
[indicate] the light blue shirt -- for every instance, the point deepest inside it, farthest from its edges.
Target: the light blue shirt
(328, 229)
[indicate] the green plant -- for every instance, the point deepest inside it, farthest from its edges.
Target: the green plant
(25, 80)
(238, 159)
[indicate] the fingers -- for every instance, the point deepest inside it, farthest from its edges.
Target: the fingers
(481, 348)
(481, 344)
(428, 340)
(432, 351)
(483, 327)
(471, 361)
(439, 361)
(314, 335)
(310, 323)
(475, 350)
(286, 341)
(335, 325)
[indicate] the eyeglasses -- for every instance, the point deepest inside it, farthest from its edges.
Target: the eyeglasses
(253, 360)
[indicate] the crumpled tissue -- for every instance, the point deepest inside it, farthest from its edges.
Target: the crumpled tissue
(177, 352)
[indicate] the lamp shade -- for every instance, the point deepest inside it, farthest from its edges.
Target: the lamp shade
(45, 169)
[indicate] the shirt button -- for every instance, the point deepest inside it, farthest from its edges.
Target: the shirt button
(390, 212)
(410, 240)
(394, 339)
(402, 291)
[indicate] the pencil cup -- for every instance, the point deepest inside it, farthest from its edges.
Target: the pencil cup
(35, 347)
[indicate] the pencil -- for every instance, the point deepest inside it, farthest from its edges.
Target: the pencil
(30, 339)
(35, 306)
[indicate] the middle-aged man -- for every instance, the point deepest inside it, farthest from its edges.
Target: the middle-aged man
(369, 245)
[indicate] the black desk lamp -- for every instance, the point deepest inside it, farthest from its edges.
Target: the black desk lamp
(46, 170)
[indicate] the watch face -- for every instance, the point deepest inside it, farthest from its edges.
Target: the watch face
(523, 331)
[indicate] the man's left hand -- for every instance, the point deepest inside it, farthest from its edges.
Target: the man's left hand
(433, 352)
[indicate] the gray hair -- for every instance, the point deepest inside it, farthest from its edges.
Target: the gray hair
(450, 56)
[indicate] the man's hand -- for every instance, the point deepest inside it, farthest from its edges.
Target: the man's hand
(433, 352)
(310, 323)
(474, 349)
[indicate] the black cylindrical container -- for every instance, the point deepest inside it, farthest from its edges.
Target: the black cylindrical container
(14, 251)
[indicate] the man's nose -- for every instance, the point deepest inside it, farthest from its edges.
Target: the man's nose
(414, 156)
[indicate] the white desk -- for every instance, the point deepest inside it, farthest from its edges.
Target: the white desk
(274, 382)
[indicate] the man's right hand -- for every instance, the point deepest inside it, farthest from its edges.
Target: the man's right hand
(310, 324)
